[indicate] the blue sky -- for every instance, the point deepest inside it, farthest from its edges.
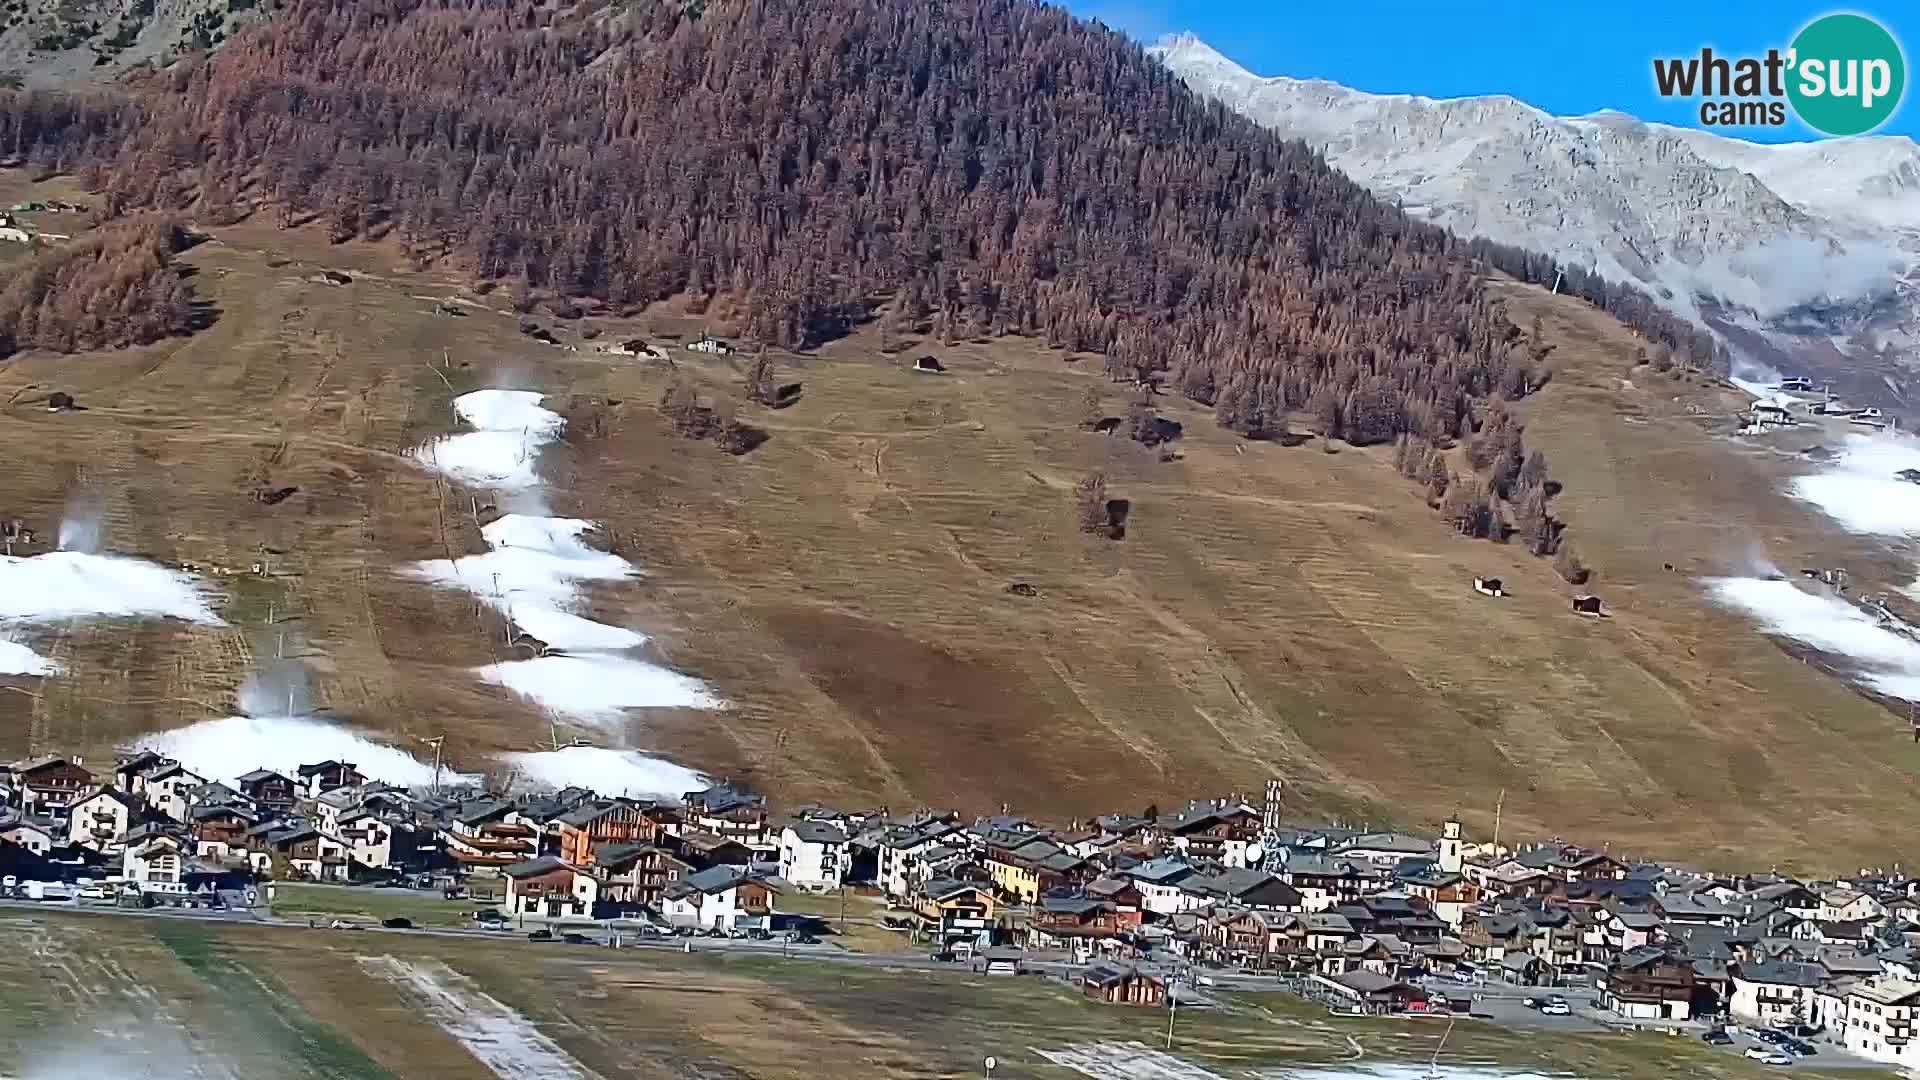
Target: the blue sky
(1567, 58)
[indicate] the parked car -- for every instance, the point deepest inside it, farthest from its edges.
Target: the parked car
(1556, 1007)
(398, 922)
(945, 957)
(1776, 1059)
(576, 939)
(1797, 1047)
(1717, 1037)
(1759, 1053)
(1531, 1003)
(540, 935)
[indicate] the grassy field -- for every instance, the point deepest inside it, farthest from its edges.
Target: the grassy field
(292, 900)
(196, 1000)
(1272, 610)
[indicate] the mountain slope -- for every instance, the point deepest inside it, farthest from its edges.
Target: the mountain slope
(1790, 247)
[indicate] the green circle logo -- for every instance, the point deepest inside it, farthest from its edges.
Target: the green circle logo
(1848, 74)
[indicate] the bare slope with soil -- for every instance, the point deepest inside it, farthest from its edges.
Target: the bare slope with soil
(844, 588)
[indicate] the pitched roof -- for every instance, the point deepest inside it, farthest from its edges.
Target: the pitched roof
(1780, 973)
(257, 775)
(818, 832)
(545, 864)
(715, 879)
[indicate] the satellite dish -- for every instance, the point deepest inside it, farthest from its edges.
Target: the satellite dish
(1255, 853)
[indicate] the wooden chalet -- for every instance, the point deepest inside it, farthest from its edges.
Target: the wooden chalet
(1124, 984)
(51, 783)
(273, 793)
(610, 822)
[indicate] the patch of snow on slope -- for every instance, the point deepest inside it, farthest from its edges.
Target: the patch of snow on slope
(227, 748)
(18, 659)
(1125, 1061)
(534, 572)
(1405, 1071)
(508, 1044)
(1860, 488)
(61, 586)
(609, 772)
(1889, 660)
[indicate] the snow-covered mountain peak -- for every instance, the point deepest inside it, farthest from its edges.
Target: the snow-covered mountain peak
(1757, 234)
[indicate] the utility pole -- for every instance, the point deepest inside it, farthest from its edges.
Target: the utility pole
(436, 742)
(1497, 804)
(1173, 1006)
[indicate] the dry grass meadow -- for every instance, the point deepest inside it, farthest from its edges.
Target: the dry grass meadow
(100, 995)
(1272, 610)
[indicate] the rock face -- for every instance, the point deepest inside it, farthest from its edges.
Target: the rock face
(57, 43)
(1800, 253)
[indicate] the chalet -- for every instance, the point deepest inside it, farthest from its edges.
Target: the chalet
(1765, 415)
(51, 784)
(321, 777)
(1367, 992)
(1448, 895)
(637, 874)
(1220, 831)
(548, 888)
(1586, 605)
(159, 859)
(1650, 983)
(29, 834)
(1254, 889)
(713, 346)
(1796, 384)
(219, 830)
(1323, 883)
(1766, 991)
(719, 897)
(899, 845)
(607, 821)
(99, 819)
(273, 793)
(310, 854)
(1124, 984)
(1489, 586)
(929, 365)
(1697, 909)
(169, 787)
(1025, 865)
(1265, 939)
(704, 849)
(129, 774)
(369, 839)
(1847, 905)
(479, 838)
(1160, 882)
(1855, 933)
(1607, 934)
(1880, 1020)
(813, 854)
(1568, 862)
(956, 913)
(731, 812)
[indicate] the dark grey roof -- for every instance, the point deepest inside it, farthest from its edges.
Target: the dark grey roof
(1781, 973)
(258, 775)
(818, 832)
(542, 865)
(1070, 905)
(715, 879)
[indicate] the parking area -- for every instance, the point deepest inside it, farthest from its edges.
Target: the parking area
(1825, 1055)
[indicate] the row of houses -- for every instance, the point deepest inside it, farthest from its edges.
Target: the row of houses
(1357, 912)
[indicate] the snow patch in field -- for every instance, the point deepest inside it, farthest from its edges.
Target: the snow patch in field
(1860, 487)
(1889, 661)
(535, 570)
(1406, 1071)
(1125, 1061)
(225, 749)
(609, 772)
(597, 687)
(510, 428)
(62, 586)
(18, 659)
(508, 1044)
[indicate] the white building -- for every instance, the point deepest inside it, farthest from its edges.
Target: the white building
(1880, 1020)
(1782, 990)
(170, 789)
(717, 897)
(1849, 905)
(369, 839)
(100, 819)
(813, 854)
(32, 835)
(158, 860)
(1160, 883)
